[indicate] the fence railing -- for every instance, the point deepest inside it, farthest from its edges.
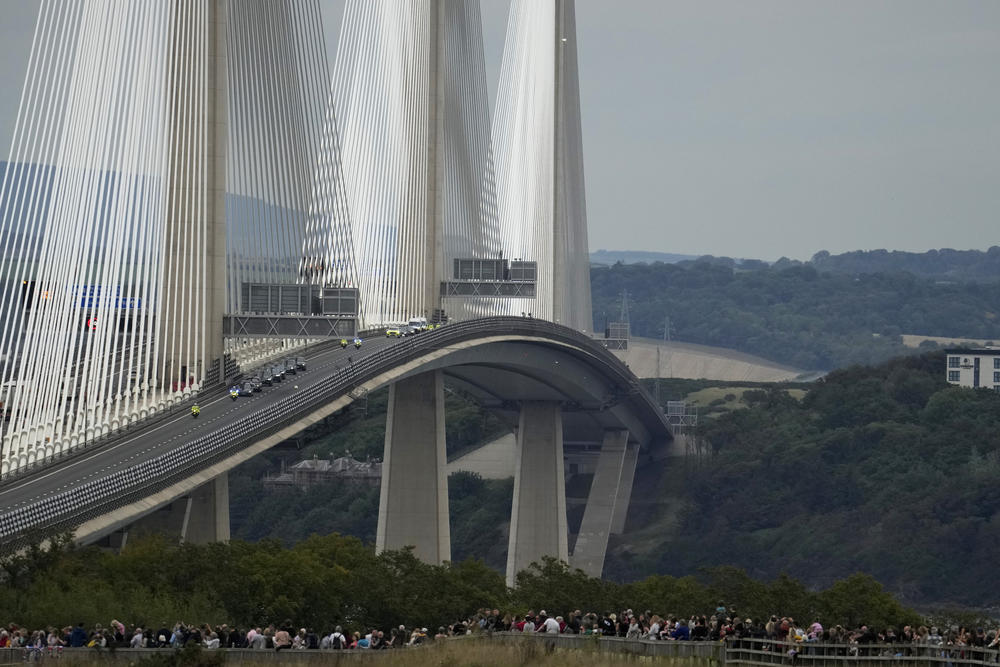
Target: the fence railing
(695, 653)
(748, 651)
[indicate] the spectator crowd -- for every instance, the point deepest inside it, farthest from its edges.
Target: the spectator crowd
(723, 625)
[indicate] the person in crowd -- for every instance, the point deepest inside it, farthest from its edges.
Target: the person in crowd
(282, 640)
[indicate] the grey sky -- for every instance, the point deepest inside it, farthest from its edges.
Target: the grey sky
(761, 129)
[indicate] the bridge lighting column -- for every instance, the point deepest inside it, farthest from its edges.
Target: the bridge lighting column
(413, 506)
(538, 515)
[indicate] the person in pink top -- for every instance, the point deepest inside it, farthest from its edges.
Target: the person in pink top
(282, 639)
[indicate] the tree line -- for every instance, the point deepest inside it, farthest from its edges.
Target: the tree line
(334, 580)
(887, 470)
(795, 314)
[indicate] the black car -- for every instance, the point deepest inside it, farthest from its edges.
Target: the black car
(300, 363)
(267, 378)
(290, 366)
(257, 383)
(278, 372)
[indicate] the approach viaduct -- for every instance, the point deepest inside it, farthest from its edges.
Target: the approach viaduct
(556, 384)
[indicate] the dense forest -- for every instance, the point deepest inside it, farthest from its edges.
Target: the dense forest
(794, 314)
(885, 470)
(328, 580)
(943, 265)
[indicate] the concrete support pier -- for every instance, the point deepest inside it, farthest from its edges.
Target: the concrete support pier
(538, 515)
(625, 490)
(207, 517)
(200, 517)
(592, 541)
(413, 506)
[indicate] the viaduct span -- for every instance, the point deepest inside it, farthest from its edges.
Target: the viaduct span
(553, 382)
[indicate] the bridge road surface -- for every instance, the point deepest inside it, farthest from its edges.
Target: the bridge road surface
(217, 410)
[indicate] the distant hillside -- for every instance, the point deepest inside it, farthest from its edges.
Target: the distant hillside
(943, 264)
(885, 470)
(794, 314)
(608, 257)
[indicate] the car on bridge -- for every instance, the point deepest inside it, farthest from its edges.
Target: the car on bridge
(409, 330)
(246, 389)
(290, 366)
(258, 384)
(300, 363)
(394, 332)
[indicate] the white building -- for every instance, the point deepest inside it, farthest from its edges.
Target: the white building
(978, 367)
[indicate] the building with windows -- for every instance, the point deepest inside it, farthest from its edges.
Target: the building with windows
(974, 367)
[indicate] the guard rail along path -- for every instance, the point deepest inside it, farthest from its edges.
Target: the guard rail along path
(122, 487)
(693, 653)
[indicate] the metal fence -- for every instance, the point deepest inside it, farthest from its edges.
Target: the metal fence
(695, 654)
(815, 654)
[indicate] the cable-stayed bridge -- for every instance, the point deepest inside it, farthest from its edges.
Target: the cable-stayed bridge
(191, 193)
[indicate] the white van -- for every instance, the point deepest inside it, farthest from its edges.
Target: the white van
(418, 323)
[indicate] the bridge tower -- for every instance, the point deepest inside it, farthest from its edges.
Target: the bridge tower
(409, 89)
(538, 141)
(196, 207)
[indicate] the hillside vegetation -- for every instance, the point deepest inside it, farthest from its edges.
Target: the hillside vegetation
(796, 315)
(885, 470)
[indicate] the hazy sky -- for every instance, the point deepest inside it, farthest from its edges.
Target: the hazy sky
(760, 129)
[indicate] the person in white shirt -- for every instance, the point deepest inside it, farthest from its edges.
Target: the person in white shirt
(137, 639)
(213, 641)
(654, 628)
(549, 625)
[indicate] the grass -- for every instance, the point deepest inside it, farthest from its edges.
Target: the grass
(715, 400)
(486, 653)
(452, 653)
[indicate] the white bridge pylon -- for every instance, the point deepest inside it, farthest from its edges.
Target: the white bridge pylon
(169, 152)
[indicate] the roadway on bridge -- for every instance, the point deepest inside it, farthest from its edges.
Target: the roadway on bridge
(217, 411)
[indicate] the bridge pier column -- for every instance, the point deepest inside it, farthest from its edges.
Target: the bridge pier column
(538, 514)
(625, 490)
(413, 506)
(598, 516)
(207, 516)
(199, 517)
